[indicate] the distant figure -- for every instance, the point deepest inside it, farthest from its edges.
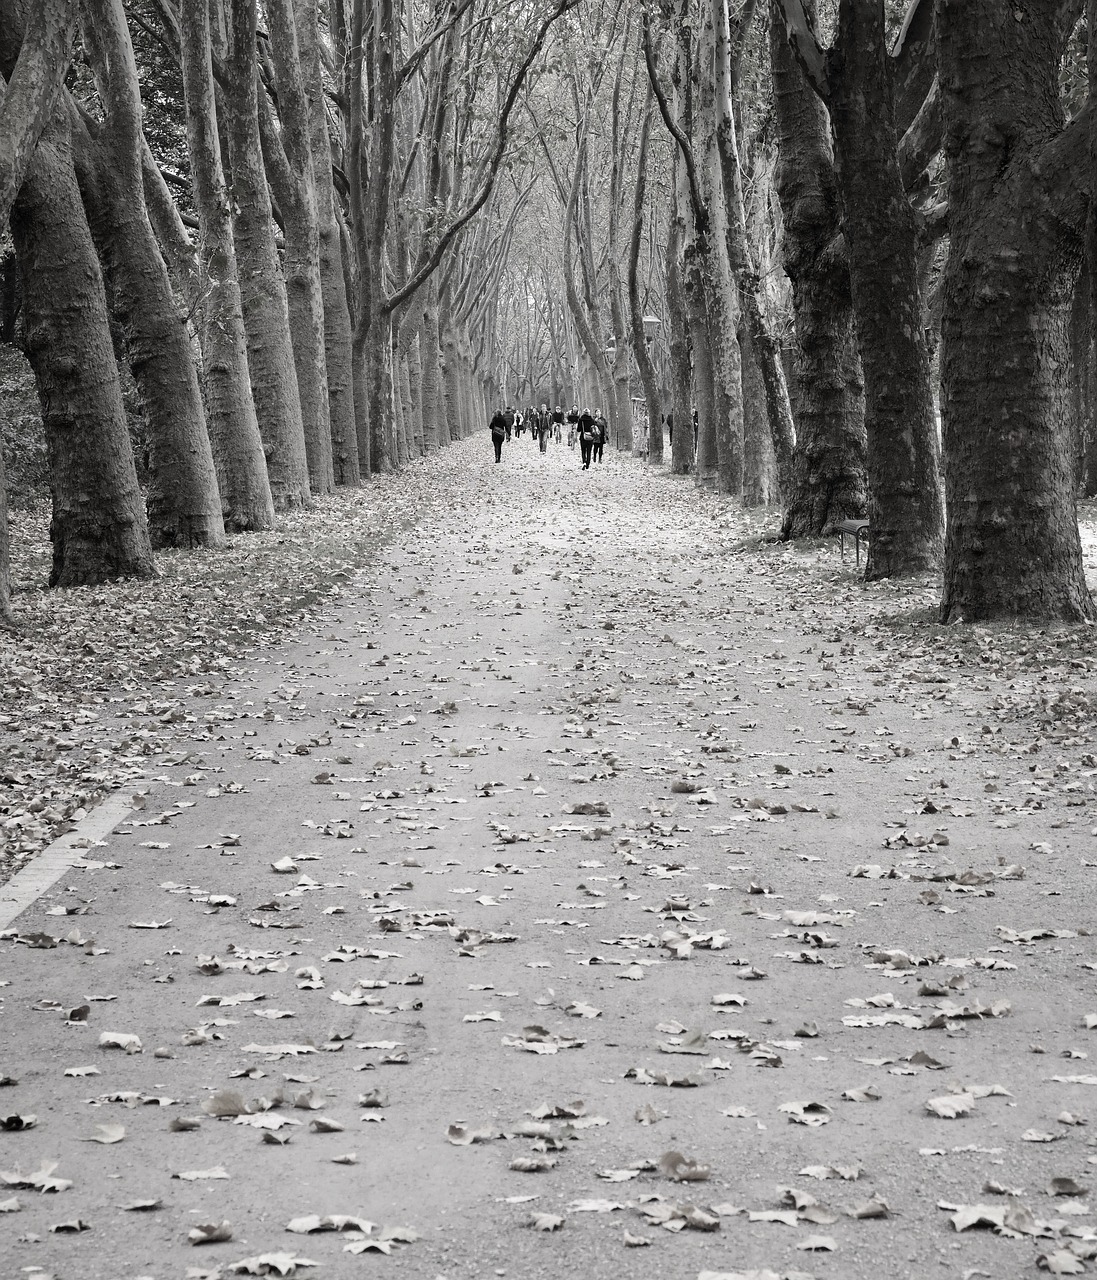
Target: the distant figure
(573, 425)
(601, 432)
(544, 427)
(499, 432)
(586, 438)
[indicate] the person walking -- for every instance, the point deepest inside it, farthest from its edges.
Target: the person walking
(601, 432)
(499, 432)
(558, 425)
(586, 437)
(544, 426)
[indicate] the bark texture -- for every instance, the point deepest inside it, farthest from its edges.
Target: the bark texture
(183, 501)
(1017, 208)
(34, 82)
(271, 368)
(292, 172)
(234, 432)
(98, 529)
(333, 284)
(903, 462)
(828, 481)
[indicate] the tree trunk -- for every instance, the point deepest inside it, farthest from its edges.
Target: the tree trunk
(721, 296)
(183, 502)
(681, 400)
(652, 399)
(34, 79)
(1016, 220)
(760, 487)
(433, 409)
(262, 288)
(293, 177)
(234, 432)
(903, 460)
(98, 530)
(747, 280)
(827, 481)
(333, 284)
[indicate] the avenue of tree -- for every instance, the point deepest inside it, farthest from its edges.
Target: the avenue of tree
(857, 238)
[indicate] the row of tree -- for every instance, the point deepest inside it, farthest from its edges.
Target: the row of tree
(869, 237)
(294, 272)
(324, 238)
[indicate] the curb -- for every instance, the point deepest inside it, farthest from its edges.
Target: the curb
(29, 884)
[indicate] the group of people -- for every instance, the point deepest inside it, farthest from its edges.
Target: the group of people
(587, 426)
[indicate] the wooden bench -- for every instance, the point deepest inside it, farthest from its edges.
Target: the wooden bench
(857, 530)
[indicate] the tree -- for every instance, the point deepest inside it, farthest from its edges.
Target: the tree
(98, 530)
(292, 171)
(271, 369)
(183, 501)
(1019, 192)
(854, 80)
(234, 431)
(41, 58)
(827, 482)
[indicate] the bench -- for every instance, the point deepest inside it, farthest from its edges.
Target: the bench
(857, 530)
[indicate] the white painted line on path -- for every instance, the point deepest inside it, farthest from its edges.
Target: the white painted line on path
(28, 885)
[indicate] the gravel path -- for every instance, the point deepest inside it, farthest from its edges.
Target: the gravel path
(569, 840)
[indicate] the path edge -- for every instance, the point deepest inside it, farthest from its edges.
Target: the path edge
(43, 872)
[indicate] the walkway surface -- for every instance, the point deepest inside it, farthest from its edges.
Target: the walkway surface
(580, 896)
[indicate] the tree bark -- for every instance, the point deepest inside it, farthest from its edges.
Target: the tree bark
(292, 174)
(342, 409)
(681, 402)
(903, 459)
(234, 432)
(99, 530)
(433, 400)
(741, 259)
(45, 53)
(636, 313)
(1017, 211)
(760, 487)
(828, 481)
(183, 501)
(271, 365)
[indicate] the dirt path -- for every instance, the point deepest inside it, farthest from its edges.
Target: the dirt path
(567, 829)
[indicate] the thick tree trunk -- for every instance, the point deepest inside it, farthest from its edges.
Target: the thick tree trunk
(183, 502)
(262, 289)
(345, 442)
(291, 170)
(35, 76)
(828, 482)
(230, 410)
(903, 460)
(98, 530)
(1016, 221)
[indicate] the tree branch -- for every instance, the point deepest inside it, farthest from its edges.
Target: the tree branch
(480, 199)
